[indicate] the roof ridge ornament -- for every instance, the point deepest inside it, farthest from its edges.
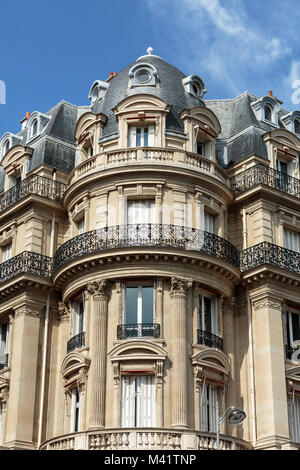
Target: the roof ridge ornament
(149, 54)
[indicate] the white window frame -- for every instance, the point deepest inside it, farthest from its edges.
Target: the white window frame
(209, 222)
(132, 136)
(80, 226)
(214, 314)
(4, 341)
(77, 317)
(209, 395)
(291, 240)
(75, 407)
(144, 211)
(139, 300)
(289, 326)
(138, 401)
(6, 252)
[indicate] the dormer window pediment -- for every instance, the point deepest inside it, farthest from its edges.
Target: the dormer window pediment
(8, 141)
(291, 122)
(267, 109)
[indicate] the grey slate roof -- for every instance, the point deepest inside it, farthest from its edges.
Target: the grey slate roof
(169, 88)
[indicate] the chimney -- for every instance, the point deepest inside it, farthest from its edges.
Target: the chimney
(270, 93)
(24, 120)
(111, 75)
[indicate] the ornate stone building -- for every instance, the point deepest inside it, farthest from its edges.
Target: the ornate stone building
(150, 269)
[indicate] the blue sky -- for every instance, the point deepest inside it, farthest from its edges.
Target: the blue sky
(54, 50)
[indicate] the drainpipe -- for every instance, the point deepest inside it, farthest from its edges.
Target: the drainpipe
(45, 342)
(251, 367)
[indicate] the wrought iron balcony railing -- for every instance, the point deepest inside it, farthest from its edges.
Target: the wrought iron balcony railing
(33, 184)
(289, 351)
(268, 253)
(26, 262)
(149, 235)
(77, 341)
(3, 361)
(210, 340)
(262, 174)
(138, 330)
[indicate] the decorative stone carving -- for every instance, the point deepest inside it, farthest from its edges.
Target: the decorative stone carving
(24, 310)
(179, 286)
(63, 311)
(275, 304)
(98, 288)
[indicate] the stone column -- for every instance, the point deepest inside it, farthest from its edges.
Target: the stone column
(228, 341)
(21, 432)
(269, 362)
(98, 353)
(179, 359)
(60, 417)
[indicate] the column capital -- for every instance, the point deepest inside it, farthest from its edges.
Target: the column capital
(26, 307)
(98, 289)
(179, 286)
(63, 312)
(267, 299)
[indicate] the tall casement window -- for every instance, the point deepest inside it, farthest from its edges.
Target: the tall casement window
(208, 314)
(6, 252)
(291, 240)
(139, 310)
(80, 226)
(75, 409)
(138, 401)
(282, 166)
(292, 327)
(141, 136)
(4, 337)
(208, 222)
(78, 318)
(208, 407)
(294, 416)
(141, 211)
(268, 113)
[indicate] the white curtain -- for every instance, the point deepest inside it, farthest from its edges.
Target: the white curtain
(291, 240)
(138, 401)
(141, 212)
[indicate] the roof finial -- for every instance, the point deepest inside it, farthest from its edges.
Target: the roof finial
(150, 50)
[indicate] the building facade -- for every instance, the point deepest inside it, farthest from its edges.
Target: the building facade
(150, 269)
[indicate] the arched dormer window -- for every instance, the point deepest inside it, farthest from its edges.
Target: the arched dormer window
(8, 141)
(36, 124)
(297, 126)
(268, 113)
(143, 74)
(6, 146)
(34, 128)
(195, 86)
(97, 91)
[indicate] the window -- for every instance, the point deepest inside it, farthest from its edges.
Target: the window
(268, 113)
(141, 211)
(297, 126)
(291, 240)
(78, 318)
(34, 128)
(282, 166)
(200, 148)
(208, 407)
(208, 314)
(292, 327)
(294, 417)
(209, 222)
(4, 336)
(142, 74)
(75, 410)
(139, 310)
(6, 146)
(141, 136)
(6, 252)
(80, 226)
(138, 401)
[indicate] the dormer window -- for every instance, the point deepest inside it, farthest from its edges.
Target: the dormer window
(143, 74)
(36, 124)
(6, 146)
(97, 91)
(297, 126)
(195, 86)
(34, 128)
(8, 141)
(268, 113)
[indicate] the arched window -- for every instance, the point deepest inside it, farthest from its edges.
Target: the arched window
(34, 127)
(297, 126)
(6, 146)
(268, 113)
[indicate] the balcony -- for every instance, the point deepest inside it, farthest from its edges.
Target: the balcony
(26, 262)
(268, 253)
(143, 439)
(262, 174)
(209, 339)
(3, 361)
(289, 351)
(138, 330)
(76, 342)
(147, 235)
(150, 156)
(32, 185)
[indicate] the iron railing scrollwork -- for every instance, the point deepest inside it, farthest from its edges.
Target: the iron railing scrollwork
(268, 253)
(289, 352)
(148, 235)
(33, 184)
(138, 330)
(209, 339)
(3, 361)
(262, 174)
(26, 262)
(76, 342)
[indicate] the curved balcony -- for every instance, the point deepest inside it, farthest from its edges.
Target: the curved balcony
(32, 185)
(138, 330)
(262, 174)
(268, 253)
(76, 342)
(150, 155)
(209, 339)
(26, 262)
(146, 235)
(143, 439)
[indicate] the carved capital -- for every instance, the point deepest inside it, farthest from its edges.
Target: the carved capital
(98, 288)
(63, 311)
(267, 302)
(179, 286)
(26, 310)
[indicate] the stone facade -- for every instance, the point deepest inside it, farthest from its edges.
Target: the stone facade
(147, 280)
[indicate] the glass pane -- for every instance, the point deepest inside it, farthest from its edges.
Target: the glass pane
(80, 317)
(147, 304)
(296, 328)
(145, 136)
(131, 304)
(138, 137)
(207, 314)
